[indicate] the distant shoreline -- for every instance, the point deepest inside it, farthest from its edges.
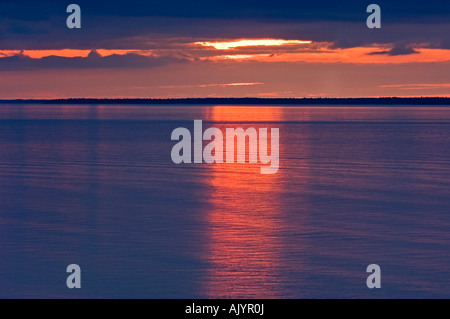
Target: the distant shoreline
(384, 101)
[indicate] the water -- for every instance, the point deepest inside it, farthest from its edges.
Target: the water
(95, 185)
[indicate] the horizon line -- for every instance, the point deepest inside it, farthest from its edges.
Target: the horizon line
(244, 101)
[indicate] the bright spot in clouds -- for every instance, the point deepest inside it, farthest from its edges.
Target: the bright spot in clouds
(250, 43)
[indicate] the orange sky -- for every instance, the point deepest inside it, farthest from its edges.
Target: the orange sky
(240, 67)
(172, 49)
(266, 50)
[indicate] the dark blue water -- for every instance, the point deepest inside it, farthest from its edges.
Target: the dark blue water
(95, 186)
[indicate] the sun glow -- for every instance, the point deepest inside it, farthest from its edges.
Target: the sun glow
(250, 43)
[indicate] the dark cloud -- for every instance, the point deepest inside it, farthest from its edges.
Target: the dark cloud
(92, 61)
(395, 51)
(135, 24)
(318, 10)
(141, 33)
(402, 51)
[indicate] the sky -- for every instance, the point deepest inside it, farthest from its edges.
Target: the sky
(175, 49)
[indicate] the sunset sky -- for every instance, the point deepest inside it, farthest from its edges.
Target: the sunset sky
(171, 49)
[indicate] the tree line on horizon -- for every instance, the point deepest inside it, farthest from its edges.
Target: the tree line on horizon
(244, 101)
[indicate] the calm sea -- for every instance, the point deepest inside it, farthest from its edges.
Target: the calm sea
(95, 185)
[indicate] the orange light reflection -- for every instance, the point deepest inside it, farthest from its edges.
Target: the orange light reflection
(246, 219)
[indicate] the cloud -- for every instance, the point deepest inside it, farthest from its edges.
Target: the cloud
(402, 51)
(93, 61)
(396, 51)
(143, 25)
(319, 10)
